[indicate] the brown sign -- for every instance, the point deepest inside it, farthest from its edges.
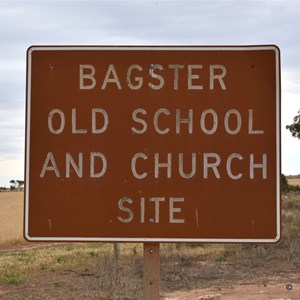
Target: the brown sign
(153, 144)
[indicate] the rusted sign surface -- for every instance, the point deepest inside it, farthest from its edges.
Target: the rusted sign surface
(153, 144)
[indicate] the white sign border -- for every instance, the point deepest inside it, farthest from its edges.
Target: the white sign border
(153, 48)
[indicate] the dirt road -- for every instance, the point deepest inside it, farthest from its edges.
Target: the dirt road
(272, 291)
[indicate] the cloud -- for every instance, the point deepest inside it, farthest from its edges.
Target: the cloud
(26, 23)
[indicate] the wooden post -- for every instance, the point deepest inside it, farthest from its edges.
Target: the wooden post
(117, 250)
(151, 271)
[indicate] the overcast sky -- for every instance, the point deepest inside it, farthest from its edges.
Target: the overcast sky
(26, 23)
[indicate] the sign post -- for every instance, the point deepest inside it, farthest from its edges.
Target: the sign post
(151, 271)
(153, 144)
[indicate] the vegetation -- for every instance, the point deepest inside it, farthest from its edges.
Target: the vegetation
(16, 184)
(16, 267)
(93, 264)
(294, 128)
(286, 187)
(90, 270)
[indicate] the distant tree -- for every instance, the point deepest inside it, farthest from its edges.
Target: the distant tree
(20, 183)
(295, 127)
(13, 184)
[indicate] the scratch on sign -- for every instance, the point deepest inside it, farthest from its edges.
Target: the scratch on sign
(197, 221)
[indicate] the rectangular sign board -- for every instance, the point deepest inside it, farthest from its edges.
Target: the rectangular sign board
(162, 144)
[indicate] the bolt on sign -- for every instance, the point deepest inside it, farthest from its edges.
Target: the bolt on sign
(162, 144)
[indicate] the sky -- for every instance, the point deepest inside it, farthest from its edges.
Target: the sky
(222, 22)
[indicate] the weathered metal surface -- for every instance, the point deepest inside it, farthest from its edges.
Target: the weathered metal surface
(153, 144)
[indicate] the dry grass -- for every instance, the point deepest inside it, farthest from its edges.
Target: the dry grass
(285, 253)
(294, 181)
(89, 270)
(16, 267)
(11, 216)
